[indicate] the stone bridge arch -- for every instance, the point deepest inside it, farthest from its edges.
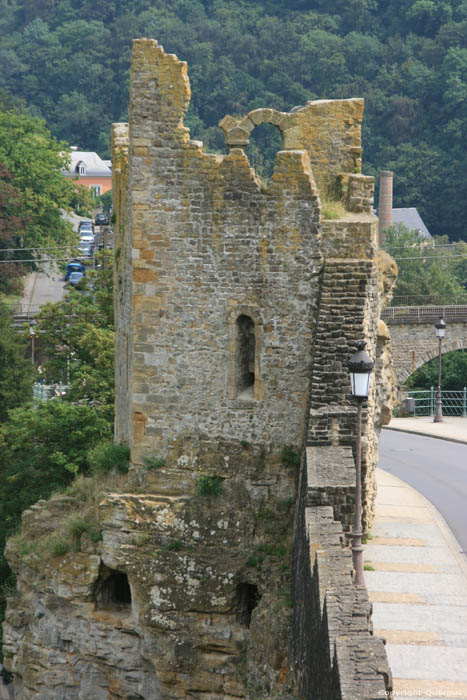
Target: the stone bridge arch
(415, 343)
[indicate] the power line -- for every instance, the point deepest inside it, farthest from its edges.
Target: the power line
(41, 262)
(426, 245)
(55, 247)
(434, 257)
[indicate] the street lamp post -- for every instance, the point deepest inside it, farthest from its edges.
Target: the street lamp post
(440, 327)
(32, 335)
(360, 366)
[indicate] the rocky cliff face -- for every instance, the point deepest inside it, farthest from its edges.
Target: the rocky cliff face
(187, 594)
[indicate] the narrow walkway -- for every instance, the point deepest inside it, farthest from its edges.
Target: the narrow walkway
(418, 587)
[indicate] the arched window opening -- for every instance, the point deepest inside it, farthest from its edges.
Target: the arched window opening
(248, 598)
(246, 347)
(112, 589)
(265, 141)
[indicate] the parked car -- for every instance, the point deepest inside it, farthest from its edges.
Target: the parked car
(87, 226)
(73, 266)
(101, 219)
(86, 237)
(75, 277)
(85, 250)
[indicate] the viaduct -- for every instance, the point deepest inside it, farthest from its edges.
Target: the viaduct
(413, 338)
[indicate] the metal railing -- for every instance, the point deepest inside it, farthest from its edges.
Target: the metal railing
(46, 392)
(454, 403)
(20, 309)
(424, 314)
(429, 300)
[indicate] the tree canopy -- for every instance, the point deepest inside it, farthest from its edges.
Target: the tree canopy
(77, 337)
(454, 372)
(430, 271)
(16, 372)
(33, 192)
(407, 58)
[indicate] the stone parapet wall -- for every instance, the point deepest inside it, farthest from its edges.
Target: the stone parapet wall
(334, 652)
(331, 481)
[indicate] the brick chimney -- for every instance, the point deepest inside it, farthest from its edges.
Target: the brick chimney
(385, 202)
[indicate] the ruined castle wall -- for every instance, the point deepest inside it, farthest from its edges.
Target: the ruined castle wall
(210, 244)
(122, 298)
(237, 307)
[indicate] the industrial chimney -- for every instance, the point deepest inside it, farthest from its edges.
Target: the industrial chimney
(385, 203)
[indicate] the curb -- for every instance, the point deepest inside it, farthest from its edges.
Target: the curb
(429, 435)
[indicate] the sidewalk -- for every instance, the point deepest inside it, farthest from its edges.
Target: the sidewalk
(418, 585)
(452, 428)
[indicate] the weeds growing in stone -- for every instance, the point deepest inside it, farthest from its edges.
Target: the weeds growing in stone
(332, 209)
(153, 462)
(210, 486)
(290, 456)
(109, 456)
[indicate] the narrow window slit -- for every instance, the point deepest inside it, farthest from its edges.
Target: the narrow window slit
(246, 347)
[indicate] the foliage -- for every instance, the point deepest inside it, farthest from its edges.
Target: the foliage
(290, 456)
(453, 376)
(108, 456)
(153, 462)
(12, 226)
(106, 201)
(16, 373)
(77, 336)
(33, 163)
(332, 209)
(210, 485)
(43, 449)
(407, 58)
(428, 269)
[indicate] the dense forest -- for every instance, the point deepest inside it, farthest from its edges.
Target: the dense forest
(69, 61)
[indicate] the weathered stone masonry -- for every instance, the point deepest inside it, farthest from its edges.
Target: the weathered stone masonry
(237, 307)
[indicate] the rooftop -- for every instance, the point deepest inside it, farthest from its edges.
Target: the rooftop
(411, 219)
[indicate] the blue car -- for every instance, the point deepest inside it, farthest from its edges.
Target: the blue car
(73, 266)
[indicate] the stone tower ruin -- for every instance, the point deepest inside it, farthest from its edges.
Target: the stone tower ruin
(238, 303)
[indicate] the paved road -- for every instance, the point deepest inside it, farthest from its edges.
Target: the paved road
(48, 285)
(436, 468)
(41, 287)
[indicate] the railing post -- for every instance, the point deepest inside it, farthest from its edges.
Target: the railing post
(464, 405)
(432, 402)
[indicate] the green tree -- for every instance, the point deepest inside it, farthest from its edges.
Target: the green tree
(453, 376)
(12, 225)
(427, 273)
(77, 336)
(35, 162)
(16, 373)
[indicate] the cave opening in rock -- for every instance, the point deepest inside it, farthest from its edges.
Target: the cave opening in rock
(248, 598)
(112, 589)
